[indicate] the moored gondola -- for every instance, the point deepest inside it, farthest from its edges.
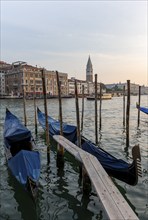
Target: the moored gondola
(117, 168)
(23, 161)
(142, 109)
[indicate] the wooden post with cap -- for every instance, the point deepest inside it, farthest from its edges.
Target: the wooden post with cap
(96, 110)
(34, 101)
(77, 116)
(46, 115)
(82, 116)
(123, 105)
(139, 100)
(85, 178)
(100, 120)
(127, 113)
(60, 152)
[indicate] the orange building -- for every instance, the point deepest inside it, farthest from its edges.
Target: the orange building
(23, 76)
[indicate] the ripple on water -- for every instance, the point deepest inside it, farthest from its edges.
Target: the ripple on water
(60, 193)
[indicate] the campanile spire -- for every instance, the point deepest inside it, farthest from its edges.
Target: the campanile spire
(89, 71)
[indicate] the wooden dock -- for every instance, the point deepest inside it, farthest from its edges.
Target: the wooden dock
(115, 205)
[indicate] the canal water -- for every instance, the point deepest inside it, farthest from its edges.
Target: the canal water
(60, 192)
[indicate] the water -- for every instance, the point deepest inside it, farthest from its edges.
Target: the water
(60, 192)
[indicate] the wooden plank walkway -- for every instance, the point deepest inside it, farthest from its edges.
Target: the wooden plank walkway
(115, 205)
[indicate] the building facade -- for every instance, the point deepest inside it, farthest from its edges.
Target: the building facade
(19, 76)
(80, 84)
(4, 67)
(134, 88)
(89, 87)
(2, 83)
(23, 77)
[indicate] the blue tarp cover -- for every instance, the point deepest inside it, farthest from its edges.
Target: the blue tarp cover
(107, 160)
(14, 130)
(69, 131)
(143, 109)
(114, 167)
(25, 163)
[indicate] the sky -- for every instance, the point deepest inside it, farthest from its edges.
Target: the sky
(61, 35)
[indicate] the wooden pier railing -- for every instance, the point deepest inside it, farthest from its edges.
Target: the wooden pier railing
(115, 205)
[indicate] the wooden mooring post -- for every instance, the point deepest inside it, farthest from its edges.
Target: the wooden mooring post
(24, 105)
(60, 149)
(139, 102)
(127, 113)
(123, 105)
(77, 116)
(82, 116)
(85, 178)
(34, 101)
(100, 119)
(96, 110)
(46, 114)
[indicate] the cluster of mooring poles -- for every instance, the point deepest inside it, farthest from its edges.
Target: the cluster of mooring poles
(60, 149)
(126, 112)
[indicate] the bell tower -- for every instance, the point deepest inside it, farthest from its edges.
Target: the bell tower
(89, 71)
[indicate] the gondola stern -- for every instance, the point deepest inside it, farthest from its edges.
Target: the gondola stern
(137, 160)
(7, 110)
(38, 110)
(32, 188)
(137, 105)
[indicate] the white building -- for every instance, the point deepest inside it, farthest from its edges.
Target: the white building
(3, 70)
(2, 83)
(89, 87)
(80, 83)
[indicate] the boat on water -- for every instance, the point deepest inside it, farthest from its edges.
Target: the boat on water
(142, 109)
(23, 161)
(69, 131)
(104, 96)
(117, 168)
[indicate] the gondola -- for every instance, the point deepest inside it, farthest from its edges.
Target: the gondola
(116, 168)
(23, 161)
(142, 109)
(69, 131)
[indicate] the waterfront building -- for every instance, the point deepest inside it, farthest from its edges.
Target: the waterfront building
(80, 83)
(89, 87)
(3, 70)
(144, 90)
(134, 88)
(89, 71)
(2, 83)
(25, 77)
(19, 76)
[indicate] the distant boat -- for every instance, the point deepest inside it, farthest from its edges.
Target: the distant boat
(105, 96)
(142, 109)
(114, 167)
(56, 96)
(10, 97)
(23, 162)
